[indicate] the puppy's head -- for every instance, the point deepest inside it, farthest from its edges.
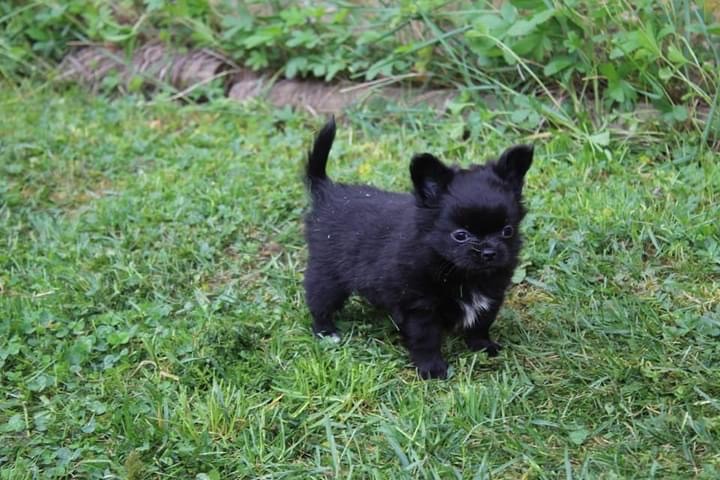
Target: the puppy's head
(471, 217)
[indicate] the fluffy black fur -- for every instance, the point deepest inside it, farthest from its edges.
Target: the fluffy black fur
(438, 259)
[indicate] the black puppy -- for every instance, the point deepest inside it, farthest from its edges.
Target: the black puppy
(438, 259)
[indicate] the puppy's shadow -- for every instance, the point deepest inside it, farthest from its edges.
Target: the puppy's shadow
(361, 321)
(506, 330)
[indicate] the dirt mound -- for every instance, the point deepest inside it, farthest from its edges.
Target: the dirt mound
(154, 66)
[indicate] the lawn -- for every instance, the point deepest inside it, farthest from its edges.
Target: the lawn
(153, 323)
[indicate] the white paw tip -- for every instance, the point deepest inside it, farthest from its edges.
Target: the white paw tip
(331, 337)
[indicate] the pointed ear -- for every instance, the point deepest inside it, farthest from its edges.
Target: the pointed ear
(514, 163)
(430, 177)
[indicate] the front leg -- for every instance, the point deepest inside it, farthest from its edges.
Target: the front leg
(423, 338)
(477, 336)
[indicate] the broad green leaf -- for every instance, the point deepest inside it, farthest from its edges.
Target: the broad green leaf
(519, 275)
(264, 36)
(318, 70)
(601, 139)
(608, 70)
(675, 55)
(524, 27)
(119, 337)
(558, 65)
(665, 74)
(680, 113)
(488, 24)
(294, 66)
(578, 436)
(333, 69)
(16, 423)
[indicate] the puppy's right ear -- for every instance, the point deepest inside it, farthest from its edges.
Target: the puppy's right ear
(430, 177)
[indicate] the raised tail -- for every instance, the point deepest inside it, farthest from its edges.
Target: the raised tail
(318, 156)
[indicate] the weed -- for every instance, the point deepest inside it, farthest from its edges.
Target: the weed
(550, 60)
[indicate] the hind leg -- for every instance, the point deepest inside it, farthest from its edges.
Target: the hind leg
(324, 297)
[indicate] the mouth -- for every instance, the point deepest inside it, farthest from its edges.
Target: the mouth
(487, 268)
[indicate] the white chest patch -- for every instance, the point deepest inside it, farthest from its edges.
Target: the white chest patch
(471, 310)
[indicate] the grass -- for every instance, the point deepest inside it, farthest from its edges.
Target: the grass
(153, 324)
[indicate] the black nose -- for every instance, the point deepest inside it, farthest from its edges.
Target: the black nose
(488, 254)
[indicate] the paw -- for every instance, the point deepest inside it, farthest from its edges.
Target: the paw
(432, 369)
(326, 334)
(479, 344)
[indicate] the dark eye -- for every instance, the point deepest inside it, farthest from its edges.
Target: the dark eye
(507, 231)
(460, 236)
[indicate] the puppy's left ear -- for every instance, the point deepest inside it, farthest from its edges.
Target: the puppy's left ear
(513, 164)
(430, 177)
